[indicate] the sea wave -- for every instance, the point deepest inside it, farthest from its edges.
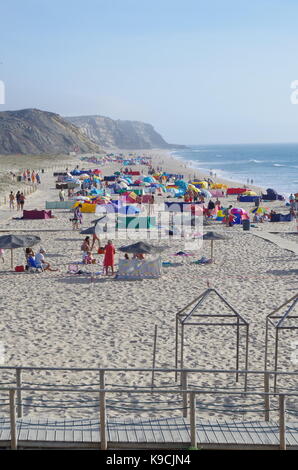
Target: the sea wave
(278, 164)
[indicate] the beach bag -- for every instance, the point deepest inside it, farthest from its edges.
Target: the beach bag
(101, 251)
(19, 269)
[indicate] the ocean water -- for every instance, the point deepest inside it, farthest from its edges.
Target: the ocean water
(268, 165)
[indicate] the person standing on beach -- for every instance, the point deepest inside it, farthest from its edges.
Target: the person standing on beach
(227, 212)
(77, 218)
(18, 200)
(11, 200)
(22, 201)
(61, 195)
(109, 257)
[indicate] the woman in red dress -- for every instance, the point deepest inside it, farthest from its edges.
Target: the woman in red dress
(109, 257)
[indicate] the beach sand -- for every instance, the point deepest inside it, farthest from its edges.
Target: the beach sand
(55, 319)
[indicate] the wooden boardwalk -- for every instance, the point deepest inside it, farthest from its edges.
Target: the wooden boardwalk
(166, 433)
(279, 241)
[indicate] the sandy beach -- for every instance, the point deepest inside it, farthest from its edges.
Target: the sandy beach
(55, 319)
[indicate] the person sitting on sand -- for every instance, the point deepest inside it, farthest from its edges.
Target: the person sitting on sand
(85, 247)
(109, 257)
(88, 258)
(28, 253)
(126, 256)
(138, 256)
(40, 261)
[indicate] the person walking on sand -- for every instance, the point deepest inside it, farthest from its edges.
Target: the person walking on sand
(22, 201)
(109, 257)
(61, 195)
(11, 200)
(77, 217)
(18, 200)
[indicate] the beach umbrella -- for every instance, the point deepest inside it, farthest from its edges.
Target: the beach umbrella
(206, 193)
(102, 219)
(11, 242)
(142, 248)
(213, 236)
(89, 230)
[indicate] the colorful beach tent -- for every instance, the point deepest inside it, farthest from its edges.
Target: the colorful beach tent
(35, 214)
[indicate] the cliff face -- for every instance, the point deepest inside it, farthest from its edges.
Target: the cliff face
(107, 132)
(31, 131)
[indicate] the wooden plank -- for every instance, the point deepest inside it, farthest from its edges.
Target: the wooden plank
(2, 423)
(202, 436)
(131, 430)
(252, 435)
(147, 430)
(6, 431)
(112, 430)
(219, 436)
(86, 428)
(23, 431)
(176, 436)
(69, 431)
(141, 436)
(210, 435)
(228, 436)
(292, 433)
(77, 431)
(157, 430)
(260, 435)
(32, 428)
(240, 435)
(270, 431)
(59, 431)
(184, 429)
(42, 432)
(95, 434)
(51, 431)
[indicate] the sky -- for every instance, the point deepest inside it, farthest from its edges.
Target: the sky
(201, 72)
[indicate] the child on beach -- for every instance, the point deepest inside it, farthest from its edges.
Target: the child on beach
(88, 258)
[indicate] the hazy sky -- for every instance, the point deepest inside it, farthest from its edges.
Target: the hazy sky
(199, 71)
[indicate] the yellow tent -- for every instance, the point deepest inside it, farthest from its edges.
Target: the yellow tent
(218, 186)
(203, 184)
(193, 188)
(86, 207)
(249, 193)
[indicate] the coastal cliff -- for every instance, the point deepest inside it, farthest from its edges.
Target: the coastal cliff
(31, 131)
(108, 133)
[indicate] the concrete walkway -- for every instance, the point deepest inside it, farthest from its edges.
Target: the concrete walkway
(279, 241)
